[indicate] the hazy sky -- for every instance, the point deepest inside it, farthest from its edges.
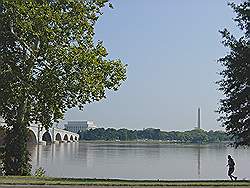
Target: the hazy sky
(171, 48)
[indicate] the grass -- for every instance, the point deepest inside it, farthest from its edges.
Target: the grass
(31, 180)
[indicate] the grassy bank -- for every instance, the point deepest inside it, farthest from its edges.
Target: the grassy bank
(17, 180)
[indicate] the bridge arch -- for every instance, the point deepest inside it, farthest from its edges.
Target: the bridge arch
(71, 138)
(47, 137)
(32, 137)
(58, 137)
(75, 138)
(66, 138)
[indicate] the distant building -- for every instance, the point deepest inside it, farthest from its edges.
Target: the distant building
(76, 126)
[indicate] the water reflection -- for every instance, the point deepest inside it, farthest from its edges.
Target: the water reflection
(138, 161)
(1, 167)
(199, 161)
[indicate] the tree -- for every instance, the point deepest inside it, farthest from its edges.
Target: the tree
(122, 134)
(234, 108)
(49, 63)
(198, 136)
(2, 135)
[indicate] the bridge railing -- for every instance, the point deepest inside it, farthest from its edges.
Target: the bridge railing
(65, 131)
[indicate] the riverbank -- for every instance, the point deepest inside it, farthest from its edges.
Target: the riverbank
(129, 142)
(28, 181)
(157, 142)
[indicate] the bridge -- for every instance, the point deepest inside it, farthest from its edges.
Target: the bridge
(38, 135)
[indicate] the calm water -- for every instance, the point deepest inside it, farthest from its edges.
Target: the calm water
(139, 161)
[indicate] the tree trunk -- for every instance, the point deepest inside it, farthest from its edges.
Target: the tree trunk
(16, 157)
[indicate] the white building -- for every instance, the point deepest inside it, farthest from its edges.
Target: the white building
(76, 126)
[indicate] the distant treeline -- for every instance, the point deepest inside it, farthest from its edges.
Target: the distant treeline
(193, 136)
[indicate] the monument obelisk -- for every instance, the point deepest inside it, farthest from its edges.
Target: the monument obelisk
(199, 118)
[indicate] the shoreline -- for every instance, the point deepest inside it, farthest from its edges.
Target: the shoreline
(141, 142)
(150, 142)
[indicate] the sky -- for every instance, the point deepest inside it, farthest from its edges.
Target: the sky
(171, 48)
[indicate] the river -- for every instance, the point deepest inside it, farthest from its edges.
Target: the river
(139, 160)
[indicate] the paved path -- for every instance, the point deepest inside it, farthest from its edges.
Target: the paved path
(91, 186)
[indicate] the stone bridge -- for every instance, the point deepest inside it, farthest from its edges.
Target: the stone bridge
(39, 135)
(53, 135)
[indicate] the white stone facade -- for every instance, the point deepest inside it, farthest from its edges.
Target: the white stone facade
(38, 134)
(76, 126)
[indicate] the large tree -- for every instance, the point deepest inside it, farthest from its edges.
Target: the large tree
(49, 63)
(234, 108)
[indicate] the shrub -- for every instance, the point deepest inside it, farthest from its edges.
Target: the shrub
(40, 172)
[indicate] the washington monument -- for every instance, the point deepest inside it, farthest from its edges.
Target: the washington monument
(199, 118)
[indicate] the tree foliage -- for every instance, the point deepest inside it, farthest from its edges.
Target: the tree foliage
(234, 108)
(49, 63)
(193, 136)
